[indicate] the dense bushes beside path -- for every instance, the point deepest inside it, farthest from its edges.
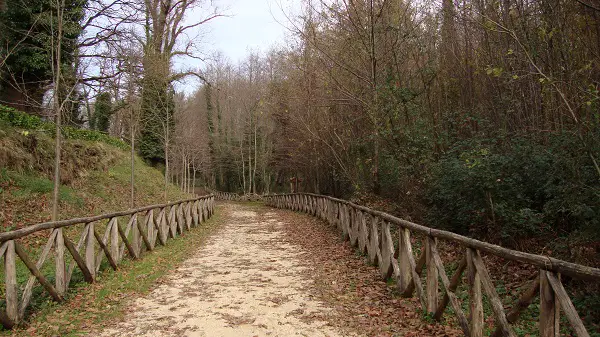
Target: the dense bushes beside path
(515, 189)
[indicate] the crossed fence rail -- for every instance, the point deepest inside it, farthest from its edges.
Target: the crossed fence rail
(145, 227)
(229, 196)
(370, 231)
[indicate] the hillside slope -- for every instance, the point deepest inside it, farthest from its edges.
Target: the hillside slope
(95, 176)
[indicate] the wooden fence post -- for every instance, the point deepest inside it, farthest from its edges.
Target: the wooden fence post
(306, 207)
(172, 222)
(90, 250)
(362, 232)
(432, 276)
(10, 282)
(135, 236)
(180, 219)
(163, 225)
(374, 251)
(387, 265)
(404, 274)
(61, 286)
(404, 265)
(114, 240)
(189, 219)
(549, 308)
(200, 212)
(352, 228)
(194, 209)
(475, 298)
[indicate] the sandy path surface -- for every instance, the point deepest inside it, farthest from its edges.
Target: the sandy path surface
(246, 281)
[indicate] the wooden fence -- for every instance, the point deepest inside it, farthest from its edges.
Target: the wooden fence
(144, 228)
(370, 231)
(229, 196)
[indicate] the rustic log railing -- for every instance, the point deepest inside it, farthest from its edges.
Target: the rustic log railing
(370, 231)
(144, 228)
(229, 196)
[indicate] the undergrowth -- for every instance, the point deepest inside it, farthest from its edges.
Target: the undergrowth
(96, 179)
(18, 119)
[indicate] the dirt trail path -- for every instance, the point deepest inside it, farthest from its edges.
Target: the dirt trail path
(246, 281)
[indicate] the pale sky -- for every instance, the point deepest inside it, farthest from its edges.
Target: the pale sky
(252, 24)
(246, 25)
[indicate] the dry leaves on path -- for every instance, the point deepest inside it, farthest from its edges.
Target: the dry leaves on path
(364, 304)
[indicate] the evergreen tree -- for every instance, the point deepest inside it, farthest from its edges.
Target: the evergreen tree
(157, 108)
(27, 37)
(103, 110)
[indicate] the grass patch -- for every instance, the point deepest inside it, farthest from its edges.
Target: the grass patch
(92, 307)
(28, 185)
(26, 195)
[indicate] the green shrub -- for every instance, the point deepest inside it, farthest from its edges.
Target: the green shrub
(514, 188)
(22, 120)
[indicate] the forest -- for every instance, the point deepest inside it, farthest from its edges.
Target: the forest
(477, 116)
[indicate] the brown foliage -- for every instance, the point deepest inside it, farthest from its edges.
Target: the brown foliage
(363, 302)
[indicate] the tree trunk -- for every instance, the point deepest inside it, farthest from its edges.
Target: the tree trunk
(57, 110)
(166, 168)
(194, 178)
(374, 107)
(183, 163)
(132, 202)
(255, 157)
(243, 166)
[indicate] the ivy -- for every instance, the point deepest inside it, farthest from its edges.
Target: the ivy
(21, 120)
